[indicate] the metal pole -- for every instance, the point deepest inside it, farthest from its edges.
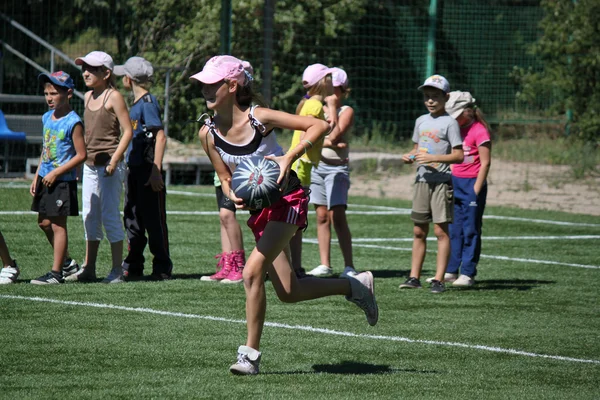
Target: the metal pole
(225, 26)
(430, 70)
(166, 116)
(570, 111)
(267, 72)
(51, 60)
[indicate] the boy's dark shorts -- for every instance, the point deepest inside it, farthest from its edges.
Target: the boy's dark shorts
(59, 200)
(224, 201)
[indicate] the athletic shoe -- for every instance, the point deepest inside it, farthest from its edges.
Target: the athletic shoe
(247, 363)
(131, 276)
(239, 262)
(437, 286)
(348, 271)
(84, 275)
(464, 280)
(447, 278)
(70, 267)
(115, 276)
(363, 295)
(224, 266)
(300, 273)
(411, 283)
(235, 275)
(159, 276)
(321, 271)
(51, 278)
(9, 274)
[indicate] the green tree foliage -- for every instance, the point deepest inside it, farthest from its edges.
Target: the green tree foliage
(570, 52)
(185, 33)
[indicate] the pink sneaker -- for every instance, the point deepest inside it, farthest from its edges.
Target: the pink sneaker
(224, 266)
(239, 261)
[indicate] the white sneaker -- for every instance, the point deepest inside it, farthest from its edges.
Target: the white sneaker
(447, 278)
(348, 271)
(83, 275)
(115, 276)
(9, 274)
(463, 280)
(247, 363)
(321, 270)
(70, 267)
(363, 295)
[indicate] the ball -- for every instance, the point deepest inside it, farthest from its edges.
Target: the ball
(255, 181)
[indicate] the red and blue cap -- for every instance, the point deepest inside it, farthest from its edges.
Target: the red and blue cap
(58, 78)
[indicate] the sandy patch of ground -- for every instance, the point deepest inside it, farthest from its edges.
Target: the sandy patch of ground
(522, 185)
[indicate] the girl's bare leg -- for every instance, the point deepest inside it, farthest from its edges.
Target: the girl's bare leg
(269, 255)
(323, 234)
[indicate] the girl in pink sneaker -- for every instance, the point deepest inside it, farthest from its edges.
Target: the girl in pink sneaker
(232, 258)
(237, 131)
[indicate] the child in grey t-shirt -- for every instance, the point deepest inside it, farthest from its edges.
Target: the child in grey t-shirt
(437, 144)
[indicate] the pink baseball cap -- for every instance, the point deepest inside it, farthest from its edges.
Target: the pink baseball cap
(96, 59)
(339, 77)
(314, 73)
(248, 67)
(219, 68)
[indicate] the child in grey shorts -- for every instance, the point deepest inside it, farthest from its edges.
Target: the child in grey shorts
(437, 144)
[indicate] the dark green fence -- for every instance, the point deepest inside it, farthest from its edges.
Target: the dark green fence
(382, 44)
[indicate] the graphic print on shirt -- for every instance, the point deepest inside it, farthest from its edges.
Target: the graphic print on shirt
(49, 151)
(427, 141)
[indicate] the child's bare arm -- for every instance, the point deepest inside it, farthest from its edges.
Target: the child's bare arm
(120, 109)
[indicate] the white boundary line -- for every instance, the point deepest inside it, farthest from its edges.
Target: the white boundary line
(399, 211)
(486, 238)
(382, 210)
(525, 260)
(306, 329)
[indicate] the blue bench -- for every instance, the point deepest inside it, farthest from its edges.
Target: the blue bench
(9, 140)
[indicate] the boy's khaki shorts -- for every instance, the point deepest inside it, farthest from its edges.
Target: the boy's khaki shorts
(433, 202)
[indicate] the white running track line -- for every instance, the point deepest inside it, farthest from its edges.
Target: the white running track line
(504, 258)
(305, 328)
(399, 211)
(486, 238)
(384, 210)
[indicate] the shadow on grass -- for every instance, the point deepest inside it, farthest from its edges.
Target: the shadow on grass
(507, 284)
(391, 273)
(189, 276)
(352, 368)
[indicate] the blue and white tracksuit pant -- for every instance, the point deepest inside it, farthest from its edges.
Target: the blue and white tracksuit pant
(465, 231)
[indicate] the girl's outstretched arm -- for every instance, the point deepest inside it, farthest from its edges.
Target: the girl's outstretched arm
(345, 122)
(314, 130)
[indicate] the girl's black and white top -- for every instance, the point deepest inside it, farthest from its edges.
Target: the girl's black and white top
(262, 144)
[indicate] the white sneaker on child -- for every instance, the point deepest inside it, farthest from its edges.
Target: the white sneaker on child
(363, 295)
(83, 275)
(9, 274)
(247, 363)
(115, 276)
(464, 280)
(321, 271)
(447, 278)
(70, 267)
